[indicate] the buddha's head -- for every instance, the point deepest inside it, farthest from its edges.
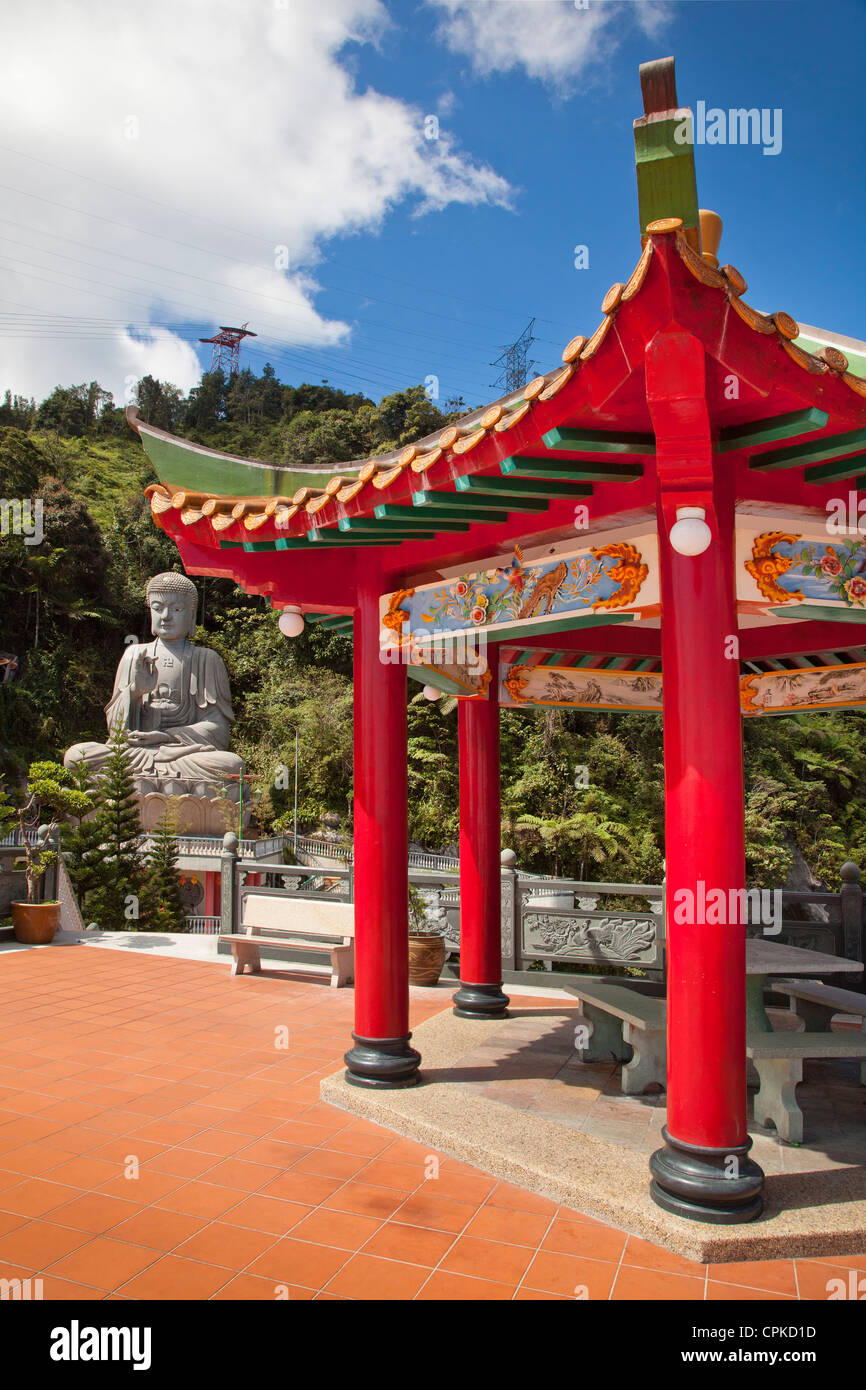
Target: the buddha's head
(173, 603)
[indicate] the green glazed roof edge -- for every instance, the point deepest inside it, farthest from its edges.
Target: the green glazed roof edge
(182, 465)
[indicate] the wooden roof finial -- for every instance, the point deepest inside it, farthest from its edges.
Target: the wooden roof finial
(658, 86)
(664, 154)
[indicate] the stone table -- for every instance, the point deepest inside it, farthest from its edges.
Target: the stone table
(764, 958)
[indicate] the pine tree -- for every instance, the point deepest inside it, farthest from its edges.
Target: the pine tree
(114, 899)
(82, 842)
(162, 903)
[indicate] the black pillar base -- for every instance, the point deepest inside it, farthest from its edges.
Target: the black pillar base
(480, 1001)
(721, 1186)
(382, 1063)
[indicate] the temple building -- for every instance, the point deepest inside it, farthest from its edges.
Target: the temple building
(667, 520)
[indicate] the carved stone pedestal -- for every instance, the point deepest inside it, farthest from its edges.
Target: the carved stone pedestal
(201, 809)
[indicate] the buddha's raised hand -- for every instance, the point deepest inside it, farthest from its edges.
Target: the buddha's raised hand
(143, 675)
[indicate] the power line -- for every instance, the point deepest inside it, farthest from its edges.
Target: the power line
(258, 237)
(160, 292)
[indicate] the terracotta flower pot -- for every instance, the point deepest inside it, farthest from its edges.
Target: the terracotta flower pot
(34, 924)
(426, 958)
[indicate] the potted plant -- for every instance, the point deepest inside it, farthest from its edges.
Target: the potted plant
(426, 940)
(51, 790)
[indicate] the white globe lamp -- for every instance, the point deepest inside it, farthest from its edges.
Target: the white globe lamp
(690, 534)
(291, 622)
(431, 693)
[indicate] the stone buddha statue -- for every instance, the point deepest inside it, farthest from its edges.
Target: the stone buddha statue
(174, 699)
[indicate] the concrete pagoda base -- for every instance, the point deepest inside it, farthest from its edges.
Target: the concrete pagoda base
(508, 1097)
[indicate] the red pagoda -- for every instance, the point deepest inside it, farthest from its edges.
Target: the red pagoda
(674, 510)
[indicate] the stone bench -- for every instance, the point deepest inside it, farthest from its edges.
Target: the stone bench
(624, 1026)
(779, 1057)
(296, 924)
(817, 1004)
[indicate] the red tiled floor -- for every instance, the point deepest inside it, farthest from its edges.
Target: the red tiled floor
(230, 1246)
(469, 1255)
(103, 1263)
(651, 1284)
(774, 1276)
(248, 1287)
(516, 1227)
(301, 1262)
(438, 1213)
(36, 1197)
(365, 1201)
(368, 1277)
(571, 1276)
(453, 1287)
(248, 1186)
(160, 1230)
(340, 1229)
(40, 1243)
(644, 1255)
(414, 1244)
(591, 1242)
(260, 1213)
(174, 1278)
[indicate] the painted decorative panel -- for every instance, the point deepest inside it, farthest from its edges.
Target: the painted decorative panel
(818, 687)
(784, 567)
(620, 578)
(771, 692)
(523, 684)
(453, 677)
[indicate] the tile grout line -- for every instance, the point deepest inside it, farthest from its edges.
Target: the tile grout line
(548, 1229)
(616, 1271)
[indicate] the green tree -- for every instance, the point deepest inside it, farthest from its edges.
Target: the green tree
(161, 898)
(206, 404)
(407, 415)
(17, 411)
(159, 403)
(73, 410)
(82, 840)
(118, 890)
(586, 836)
(51, 792)
(22, 463)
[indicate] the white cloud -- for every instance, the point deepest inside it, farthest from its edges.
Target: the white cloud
(552, 40)
(243, 131)
(161, 354)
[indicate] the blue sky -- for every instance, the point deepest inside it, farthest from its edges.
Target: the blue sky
(140, 215)
(794, 222)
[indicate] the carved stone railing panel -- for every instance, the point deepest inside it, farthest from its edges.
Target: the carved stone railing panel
(506, 919)
(592, 938)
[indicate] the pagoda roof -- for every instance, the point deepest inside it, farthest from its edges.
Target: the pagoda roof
(494, 499)
(589, 410)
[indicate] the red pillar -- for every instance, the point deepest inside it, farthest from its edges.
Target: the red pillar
(703, 1172)
(381, 1056)
(211, 894)
(480, 994)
